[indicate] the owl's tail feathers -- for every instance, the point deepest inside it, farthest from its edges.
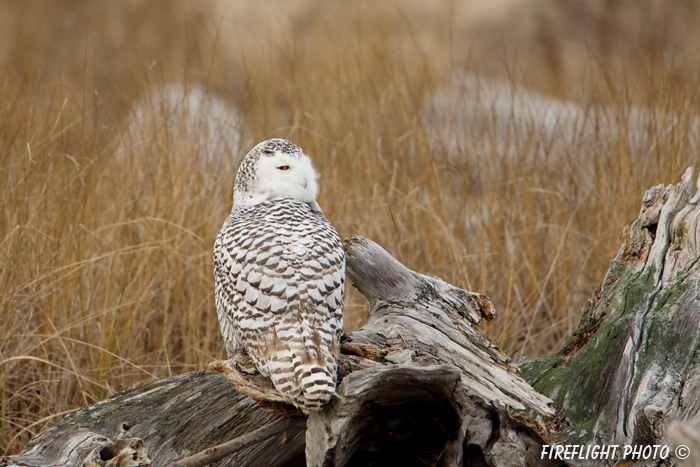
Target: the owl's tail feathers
(308, 386)
(317, 385)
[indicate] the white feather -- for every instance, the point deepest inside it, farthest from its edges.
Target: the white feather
(297, 182)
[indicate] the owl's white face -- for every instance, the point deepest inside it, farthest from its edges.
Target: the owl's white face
(275, 169)
(282, 175)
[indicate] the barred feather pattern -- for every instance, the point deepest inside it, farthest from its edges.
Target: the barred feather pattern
(280, 269)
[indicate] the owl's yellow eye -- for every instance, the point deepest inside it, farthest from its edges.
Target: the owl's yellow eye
(283, 167)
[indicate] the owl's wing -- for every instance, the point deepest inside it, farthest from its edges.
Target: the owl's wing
(321, 326)
(224, 291)
(255, 284)
(323, 276)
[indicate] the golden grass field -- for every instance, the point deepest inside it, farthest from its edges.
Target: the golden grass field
(105, 240)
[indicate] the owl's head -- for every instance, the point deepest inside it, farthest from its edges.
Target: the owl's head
(275, 168)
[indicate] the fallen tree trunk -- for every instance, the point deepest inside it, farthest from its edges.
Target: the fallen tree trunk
(420, 384)
(174, 418)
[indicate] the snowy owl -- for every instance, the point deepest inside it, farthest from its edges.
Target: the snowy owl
(280, 275)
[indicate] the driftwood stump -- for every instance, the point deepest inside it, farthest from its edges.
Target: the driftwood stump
(632, 366)
(421, 386)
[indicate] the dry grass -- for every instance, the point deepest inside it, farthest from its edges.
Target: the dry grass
(105, 268)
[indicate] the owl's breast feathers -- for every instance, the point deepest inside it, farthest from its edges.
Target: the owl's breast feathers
(280, 268)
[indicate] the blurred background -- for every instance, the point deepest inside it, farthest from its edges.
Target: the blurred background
(501, 145)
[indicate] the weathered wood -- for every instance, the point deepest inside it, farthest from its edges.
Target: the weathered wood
(175, 418)
(436, 320)
(631, 366)
(217, 453)
(415, 402)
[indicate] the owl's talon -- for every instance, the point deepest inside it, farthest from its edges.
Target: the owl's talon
(244, 364)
